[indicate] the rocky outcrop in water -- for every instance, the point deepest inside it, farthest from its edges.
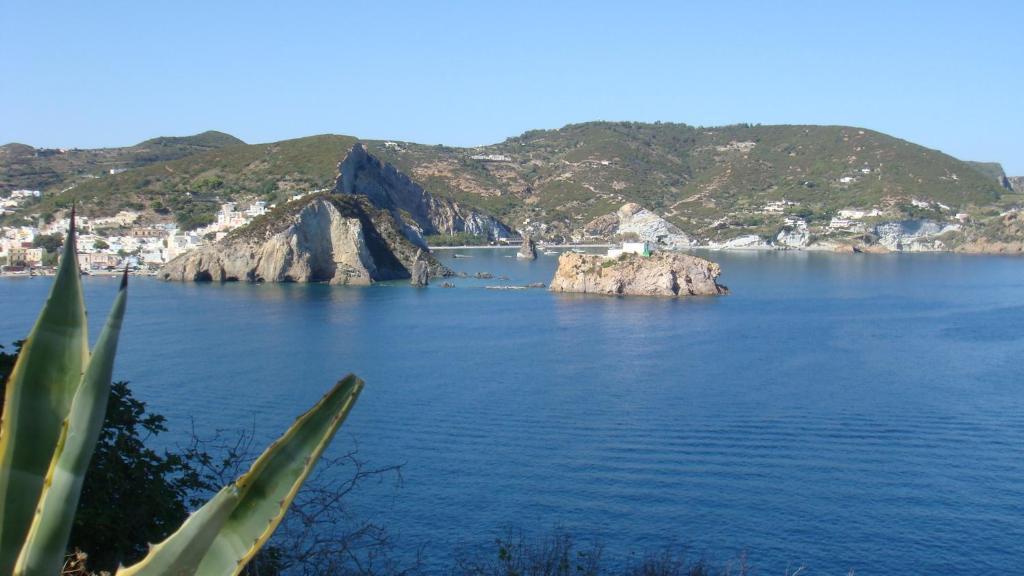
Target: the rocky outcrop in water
(528, 251)
(324, 238)
(662, 274)
(635, 222)
(420, 271)
(422, 213)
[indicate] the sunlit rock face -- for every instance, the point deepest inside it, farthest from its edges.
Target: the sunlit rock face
(421, 213)
(661, 274)
(340, 240)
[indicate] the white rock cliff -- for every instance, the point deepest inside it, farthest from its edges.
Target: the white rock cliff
(633, 220)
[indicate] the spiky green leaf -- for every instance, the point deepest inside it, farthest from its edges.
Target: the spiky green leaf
(214, 543)
(38, 397)
(43, 551)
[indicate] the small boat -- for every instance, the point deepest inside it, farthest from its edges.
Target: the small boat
(462, 256)
(550, 252)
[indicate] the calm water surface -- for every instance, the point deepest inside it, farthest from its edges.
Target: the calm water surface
(835, 411)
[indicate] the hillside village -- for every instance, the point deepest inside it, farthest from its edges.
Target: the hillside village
(112, 243)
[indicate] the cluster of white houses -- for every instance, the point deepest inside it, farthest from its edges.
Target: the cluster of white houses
(16, 199)
(116, 241)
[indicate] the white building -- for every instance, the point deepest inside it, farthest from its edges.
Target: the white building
(122, 218)
(778, 207)
(491, 157)
(228, 218)
(257, 208)
(82, 223)
(22, 256)
(855, 214)
(180, 242)
(21, 234)
(639, 248)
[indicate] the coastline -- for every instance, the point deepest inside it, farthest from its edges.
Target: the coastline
(750, 249)
(516, 246)
(839, 250)
(99, 273)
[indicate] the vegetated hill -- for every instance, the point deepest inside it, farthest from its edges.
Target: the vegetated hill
(192, 188)
(993, 170)
(52, 169)
(712, 182)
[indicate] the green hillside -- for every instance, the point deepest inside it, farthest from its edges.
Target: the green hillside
(695, 177)
(208, 139)
(53, 169)
(711, 182)
(192, 188)
(993, 170)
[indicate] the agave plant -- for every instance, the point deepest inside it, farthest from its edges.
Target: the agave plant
(53, 413)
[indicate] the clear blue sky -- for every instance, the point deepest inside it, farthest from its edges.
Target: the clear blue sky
(949, 75)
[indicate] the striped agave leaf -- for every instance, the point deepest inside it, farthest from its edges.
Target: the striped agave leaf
(44, 547)
(38, 398)
(227, 532)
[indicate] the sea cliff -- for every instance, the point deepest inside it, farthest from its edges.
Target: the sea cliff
(420, 212)
(323, 238)
(661, 274)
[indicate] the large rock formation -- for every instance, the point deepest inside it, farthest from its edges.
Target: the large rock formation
(528, 251)
(323, 238)
(420, 271)
(638, 223)
(1016, 183)
(662, 274)
(361, 173)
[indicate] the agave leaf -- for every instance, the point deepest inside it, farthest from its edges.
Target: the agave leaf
(38, 397)
(43, 551)
(181, 553)
(226, 533)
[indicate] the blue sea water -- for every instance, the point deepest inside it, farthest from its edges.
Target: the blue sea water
(834, 411)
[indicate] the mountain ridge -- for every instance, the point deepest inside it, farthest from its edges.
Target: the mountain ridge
(23, 166)
(714, 183)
